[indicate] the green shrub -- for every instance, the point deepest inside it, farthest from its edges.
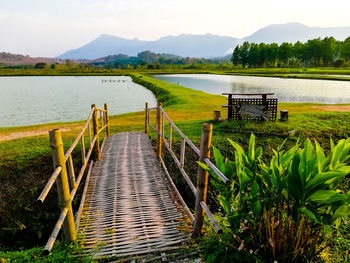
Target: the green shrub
(285, 210)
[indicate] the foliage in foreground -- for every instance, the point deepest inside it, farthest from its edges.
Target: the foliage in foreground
(288, 209)
(61, 253)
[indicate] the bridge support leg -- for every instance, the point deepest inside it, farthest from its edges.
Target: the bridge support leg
(107, 120)
(95, 128)
(56, 145)
(146, 118)
(202, 179)
(159, 130)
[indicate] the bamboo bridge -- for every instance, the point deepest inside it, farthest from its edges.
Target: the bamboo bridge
(129, 205)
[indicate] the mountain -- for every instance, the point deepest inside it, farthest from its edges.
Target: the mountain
(15, 59)
(293, 32)
(103, 46)
(202, 46)
(185, 45)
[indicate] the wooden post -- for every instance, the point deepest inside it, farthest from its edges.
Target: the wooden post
(56, 145)
(159, 131)
(107, 120)
(202, 179)
(229, 110)
(216, 115)
(82, 146)
(146, 118)
(182, 153)
(284, 115)
(170, 136)
(95, 128)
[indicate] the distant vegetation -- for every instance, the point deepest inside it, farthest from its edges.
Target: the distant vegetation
(150, 60)
(315, 52)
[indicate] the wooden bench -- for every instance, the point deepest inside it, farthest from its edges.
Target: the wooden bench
(251, 108)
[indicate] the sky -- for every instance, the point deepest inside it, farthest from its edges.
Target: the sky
(48, 28)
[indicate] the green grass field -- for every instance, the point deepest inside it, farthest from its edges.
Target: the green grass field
(303, 73)
(25, 162)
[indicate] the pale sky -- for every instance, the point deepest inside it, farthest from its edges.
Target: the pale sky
(51, 27)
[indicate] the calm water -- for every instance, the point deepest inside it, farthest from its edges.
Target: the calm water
(286, 90)
(37, 100)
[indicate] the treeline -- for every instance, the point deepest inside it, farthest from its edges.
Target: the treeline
(150, 60)
(315, 52)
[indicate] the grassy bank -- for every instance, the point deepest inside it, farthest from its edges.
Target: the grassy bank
(302, 73)
(25, 163)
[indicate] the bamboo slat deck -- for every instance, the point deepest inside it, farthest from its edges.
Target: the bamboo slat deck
(130, 208)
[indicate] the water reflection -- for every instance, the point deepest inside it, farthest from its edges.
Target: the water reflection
(286, 90)
(36, 100)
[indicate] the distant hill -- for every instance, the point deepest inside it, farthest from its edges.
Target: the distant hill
(202, 46)
(293, 32)
(15, 59)
(185, 45)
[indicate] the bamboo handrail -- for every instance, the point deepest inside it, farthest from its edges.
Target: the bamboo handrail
(76, 141)
(153, 128)
(75, 182)
(77, 217)
(194, 147)
(211, 217)
(217, 171)
(187, 210)
(101, 110)
(183, 172)
(56, 230)
(49, 184)
(100, 130)
(180, 164)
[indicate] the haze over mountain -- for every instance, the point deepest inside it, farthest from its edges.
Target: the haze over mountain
(185, 45)
(293, 32)
(16, 59)
(206, 46)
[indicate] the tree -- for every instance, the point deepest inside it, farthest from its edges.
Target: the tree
(328, 48)
(236, 56)
(40, 65)
(245, 53)
(345, 49)
(285, 53)
(263, 54)
(272, 54)
(254, 55)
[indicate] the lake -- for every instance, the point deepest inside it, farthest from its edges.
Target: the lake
(286, 90)
(38, 100)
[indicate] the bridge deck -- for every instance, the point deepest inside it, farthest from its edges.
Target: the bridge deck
(130, 208)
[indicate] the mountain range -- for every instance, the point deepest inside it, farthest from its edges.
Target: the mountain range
(202, 46)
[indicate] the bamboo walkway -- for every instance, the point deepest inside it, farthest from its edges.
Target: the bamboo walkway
(130, 207)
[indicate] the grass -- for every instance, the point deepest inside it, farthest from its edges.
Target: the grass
(25, 163)
(322, 73)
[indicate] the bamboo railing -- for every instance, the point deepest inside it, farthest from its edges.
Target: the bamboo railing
(199, 191)
(64, 174)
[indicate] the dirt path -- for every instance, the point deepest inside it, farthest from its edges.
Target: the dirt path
(345, 108)
(30, 133)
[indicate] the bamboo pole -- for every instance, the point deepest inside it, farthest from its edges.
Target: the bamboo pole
(56, 145)
(82, 146)
(95, 128)
(108, 133)
(182, 153)
(170, 136)
(202, 179)
(70, 170)
(146, 118)
(159, 130)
